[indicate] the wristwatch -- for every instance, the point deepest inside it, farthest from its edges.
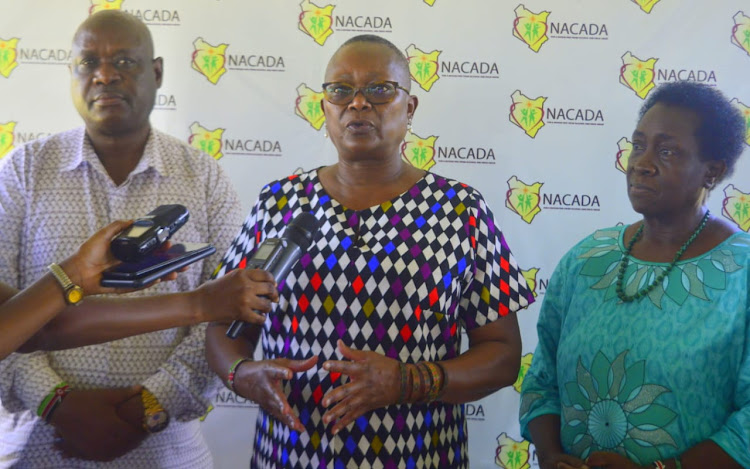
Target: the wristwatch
(155, 418)
(72, 293)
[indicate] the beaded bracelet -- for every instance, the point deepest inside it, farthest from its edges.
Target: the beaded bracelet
(52, 400)
(233, 371)
(426, 376)
(416, 384)
(403, 386)
(436, 373)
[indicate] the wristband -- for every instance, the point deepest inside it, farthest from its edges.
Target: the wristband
(52, 400)
(233, 371)
(403, 388)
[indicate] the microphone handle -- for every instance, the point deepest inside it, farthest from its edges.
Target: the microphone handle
(279, 267)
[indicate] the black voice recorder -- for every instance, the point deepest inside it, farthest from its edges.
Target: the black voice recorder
(149, 232)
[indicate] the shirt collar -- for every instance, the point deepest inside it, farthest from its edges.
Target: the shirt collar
(152, 156)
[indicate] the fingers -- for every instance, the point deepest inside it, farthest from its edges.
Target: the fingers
(302, 365)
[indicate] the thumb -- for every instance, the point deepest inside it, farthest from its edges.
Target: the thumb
(109, 231)
(118, 395)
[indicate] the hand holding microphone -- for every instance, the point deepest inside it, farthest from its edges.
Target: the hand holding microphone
(278, 255)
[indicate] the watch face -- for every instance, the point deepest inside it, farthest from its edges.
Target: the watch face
(75, 295)
(157, 421)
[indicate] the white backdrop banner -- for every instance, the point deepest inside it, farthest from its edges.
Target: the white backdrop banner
(532, 102)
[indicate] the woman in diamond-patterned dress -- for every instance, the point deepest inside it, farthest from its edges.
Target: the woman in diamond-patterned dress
(403, 262)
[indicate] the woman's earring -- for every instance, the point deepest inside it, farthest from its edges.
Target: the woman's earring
(325, 133)
(709, 184)
(408, 124)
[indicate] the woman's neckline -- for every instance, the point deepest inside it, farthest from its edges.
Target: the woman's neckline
(686, 260)
(371, 208)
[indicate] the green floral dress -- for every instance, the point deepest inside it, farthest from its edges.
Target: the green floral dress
(651, 378)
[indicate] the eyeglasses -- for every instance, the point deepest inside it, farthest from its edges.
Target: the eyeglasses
(376, 93)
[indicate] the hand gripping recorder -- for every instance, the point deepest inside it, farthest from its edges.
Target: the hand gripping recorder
(149, 232)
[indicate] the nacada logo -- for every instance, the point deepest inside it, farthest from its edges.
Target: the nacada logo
(641, 76)
(474, 411)
(430, 2)
(7, 139)
(530, 276)
(624, 148)
(10, 137)
(316, 21)
(11, 56)
(8, 56)
(205, 140)
(526, 113)
(522, 370)
(523, 199)
(530, 27)
(151, 17)
(746, 114)
(741, 32)
(736, 207)
(534, 29)
(226, 398)
(527, 200)
(307, 106)
(646, 5)
(512, 454)
(99, 5)
(213, 143)
(423, 66)
(418, 151)
(426, 69)
(638, 75)
(209, 60)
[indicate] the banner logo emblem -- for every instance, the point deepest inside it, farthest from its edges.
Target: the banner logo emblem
(423, 67)
(209, 60)
(736, 207)
(6, 137)
(646, 5)
(511, 454)
(523, 199)
(741, 32)
(316, 21)
(99, 5)
(528, 114)
(8, 56)
(637, 74)
(307, 106)
(624, 148)
(207, 141)
(530, 27)
(418, 151)
(746, 114)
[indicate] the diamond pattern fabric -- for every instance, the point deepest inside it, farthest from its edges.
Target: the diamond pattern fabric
(401, 279)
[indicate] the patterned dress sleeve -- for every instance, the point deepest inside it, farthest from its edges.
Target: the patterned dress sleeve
(539, 392)
(734, 436)
(250, 235)
(497, 285)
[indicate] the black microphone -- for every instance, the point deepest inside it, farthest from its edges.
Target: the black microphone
(278, 255)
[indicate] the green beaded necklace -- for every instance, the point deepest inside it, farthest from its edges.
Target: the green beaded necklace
(647, 289)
